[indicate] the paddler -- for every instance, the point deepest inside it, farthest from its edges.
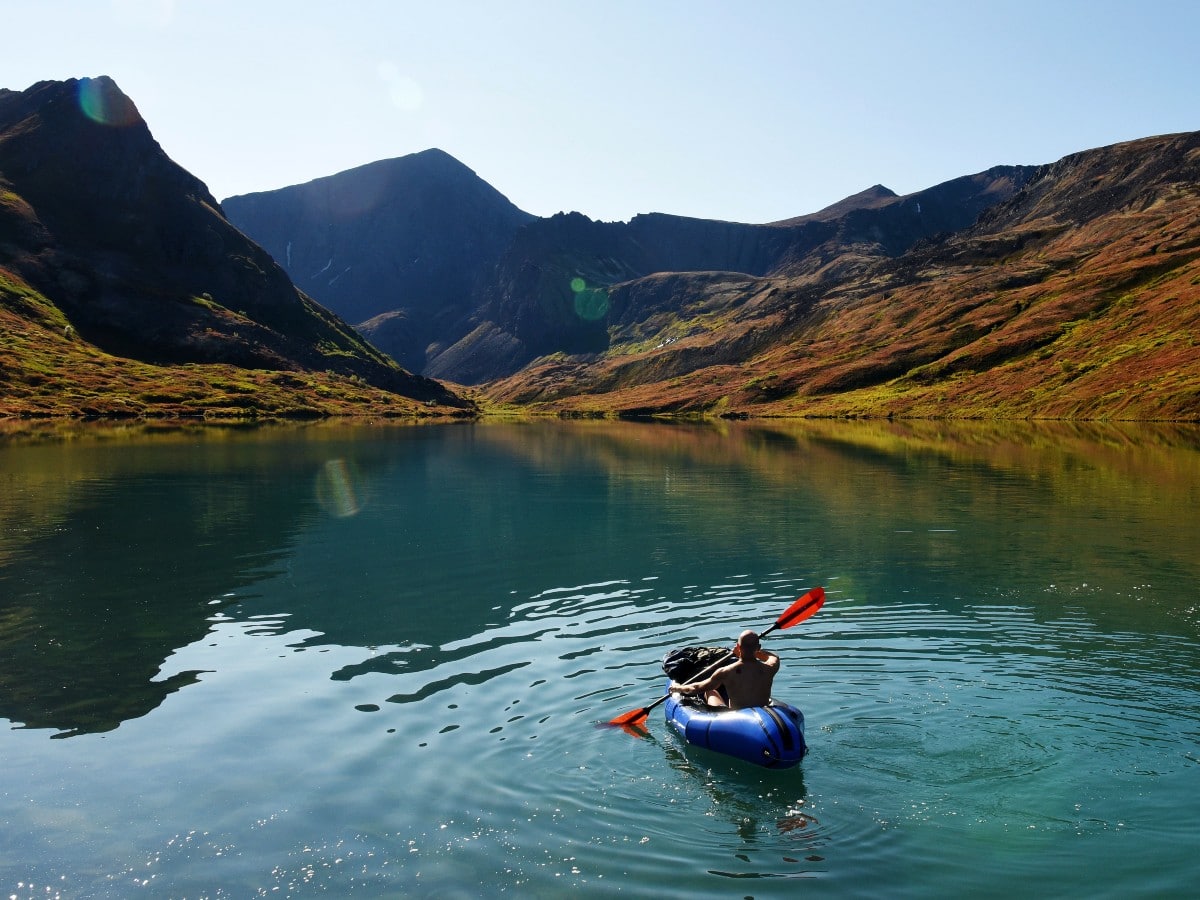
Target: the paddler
(744, 682)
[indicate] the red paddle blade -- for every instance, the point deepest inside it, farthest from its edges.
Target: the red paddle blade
(631, 719)
(802, 609)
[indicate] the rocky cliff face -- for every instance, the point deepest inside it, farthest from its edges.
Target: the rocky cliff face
(404, 247)
(566, 282)
(136, 254)
(442, 272)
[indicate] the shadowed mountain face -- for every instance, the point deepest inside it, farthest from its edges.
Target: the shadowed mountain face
(444, 273)
(404, 246)
(137, 256)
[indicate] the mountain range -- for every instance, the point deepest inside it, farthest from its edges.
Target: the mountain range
(441, 271)
(1067, 290)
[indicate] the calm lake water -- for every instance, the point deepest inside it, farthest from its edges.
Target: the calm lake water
(349, 660)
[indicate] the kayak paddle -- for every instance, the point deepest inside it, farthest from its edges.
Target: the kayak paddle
(802, 609)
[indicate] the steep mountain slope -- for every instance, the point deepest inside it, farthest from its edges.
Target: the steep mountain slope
(107, 244)
(1078, 297)
(444, 273)
(402, 246)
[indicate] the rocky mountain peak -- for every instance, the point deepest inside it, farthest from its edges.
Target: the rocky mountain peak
(136, 253)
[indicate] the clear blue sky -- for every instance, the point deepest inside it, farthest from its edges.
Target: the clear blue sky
(747, 111)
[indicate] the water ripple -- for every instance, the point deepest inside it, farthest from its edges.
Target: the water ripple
(458, 678)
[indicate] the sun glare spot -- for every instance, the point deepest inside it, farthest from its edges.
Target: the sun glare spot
(404, 92)
(102, 101)
(336, 489)
(590, 303)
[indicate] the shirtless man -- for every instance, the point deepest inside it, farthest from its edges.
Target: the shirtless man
(747, 681)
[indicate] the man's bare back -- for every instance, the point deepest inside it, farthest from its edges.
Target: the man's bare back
(747, 682)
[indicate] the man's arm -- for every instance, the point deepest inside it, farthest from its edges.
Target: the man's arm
(716, 679)
(768, 658)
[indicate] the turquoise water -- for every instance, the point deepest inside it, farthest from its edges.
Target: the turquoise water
(335, 660)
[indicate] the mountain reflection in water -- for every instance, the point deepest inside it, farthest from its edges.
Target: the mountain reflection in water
(119, 550)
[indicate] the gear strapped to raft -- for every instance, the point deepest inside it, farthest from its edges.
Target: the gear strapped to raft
(686, 664)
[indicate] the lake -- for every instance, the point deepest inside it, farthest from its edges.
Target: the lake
(342, 659)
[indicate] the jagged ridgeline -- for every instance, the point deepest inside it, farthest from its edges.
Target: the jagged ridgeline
(453, 280)
(1067, 290)
(126, 291)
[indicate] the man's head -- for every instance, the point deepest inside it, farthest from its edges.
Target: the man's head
(748, 644)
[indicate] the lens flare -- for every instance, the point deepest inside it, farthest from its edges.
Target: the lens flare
(102, 101)
(336, 489)
(404, 92)
(590, 303)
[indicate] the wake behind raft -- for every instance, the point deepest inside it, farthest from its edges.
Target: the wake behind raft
(771, 736)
